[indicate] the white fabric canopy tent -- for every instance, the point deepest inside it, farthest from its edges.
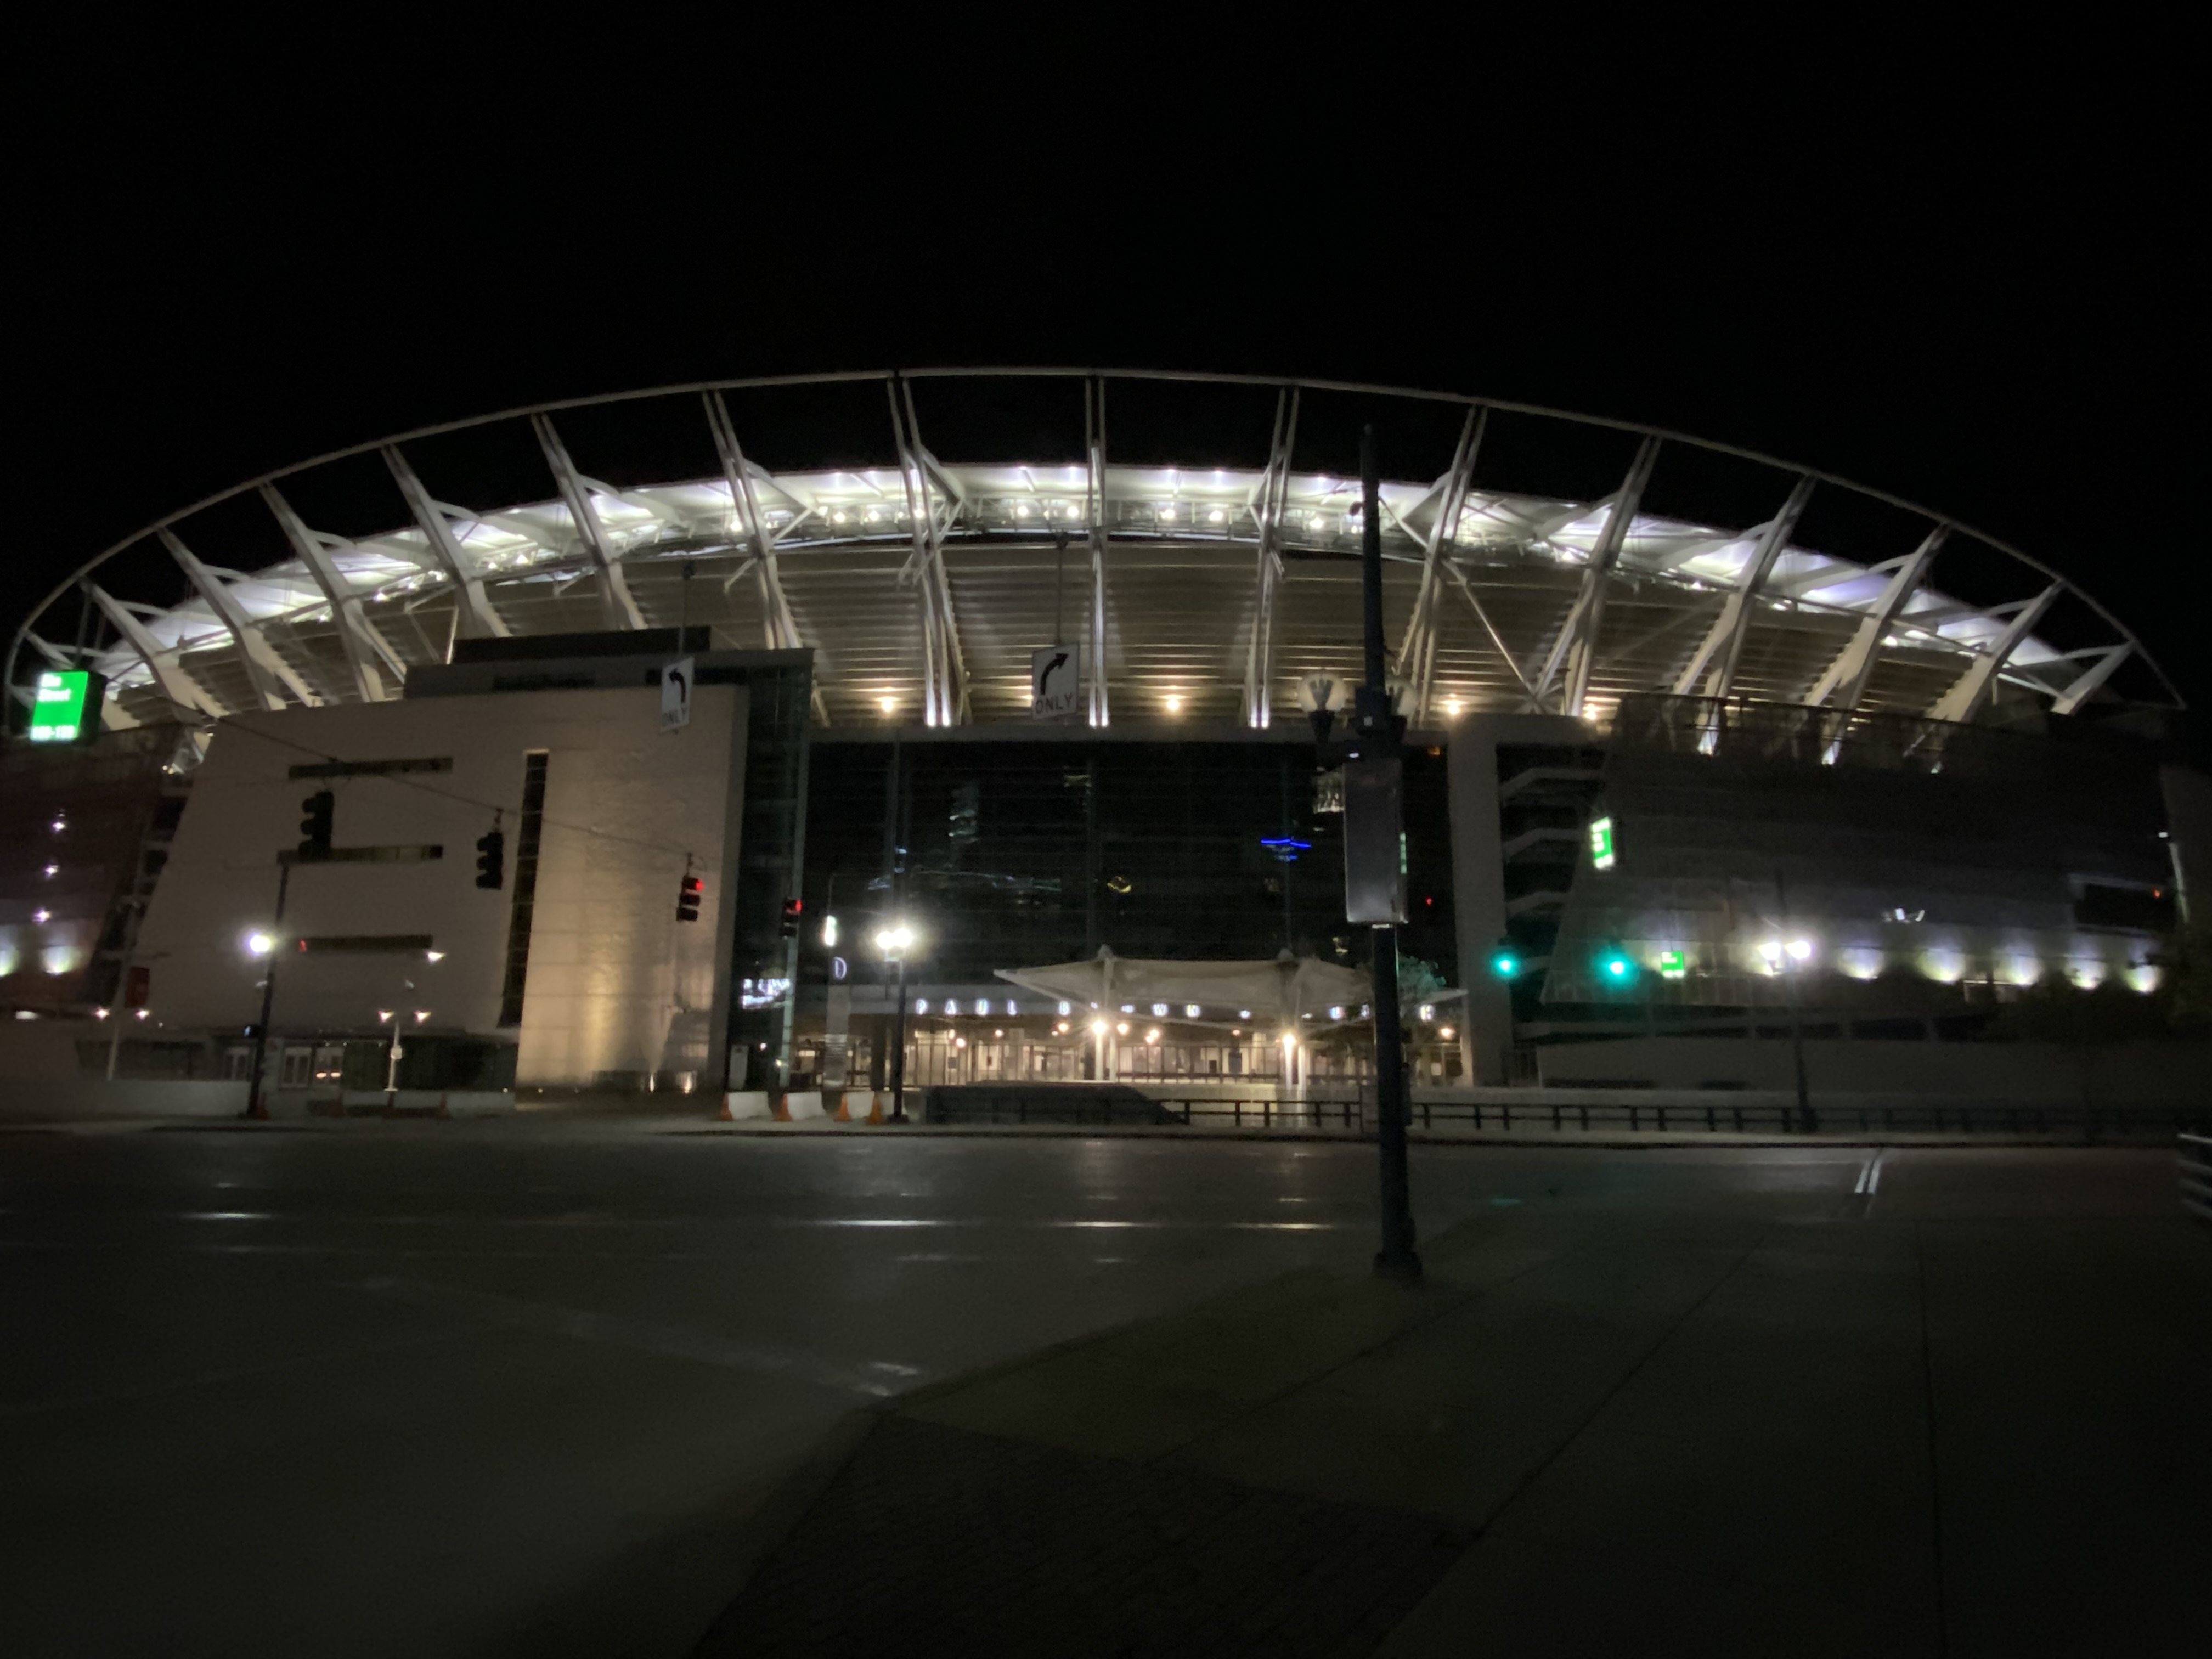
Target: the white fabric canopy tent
(1278, 992)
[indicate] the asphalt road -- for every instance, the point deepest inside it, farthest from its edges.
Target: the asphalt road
(449, 1389)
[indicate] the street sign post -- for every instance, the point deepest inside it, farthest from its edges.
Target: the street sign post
(1056, 681)
(676, 680)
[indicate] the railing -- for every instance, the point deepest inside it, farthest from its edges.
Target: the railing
(2084, 1124)
(1574, 1112)
(2197, 1176)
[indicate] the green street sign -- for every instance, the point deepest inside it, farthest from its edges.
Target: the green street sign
(65, 706)
(1600, 841)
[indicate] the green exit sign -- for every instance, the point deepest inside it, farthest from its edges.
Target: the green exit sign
(1601, 843)
(65, 706)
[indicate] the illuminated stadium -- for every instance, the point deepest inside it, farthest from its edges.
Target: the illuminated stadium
(928, 581)
(1735, 664)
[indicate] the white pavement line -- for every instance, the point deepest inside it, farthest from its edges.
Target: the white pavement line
(877, 1378)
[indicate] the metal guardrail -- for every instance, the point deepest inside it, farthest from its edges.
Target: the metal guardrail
(2196, 1161)
(1574, 1112)
(2086, 1124)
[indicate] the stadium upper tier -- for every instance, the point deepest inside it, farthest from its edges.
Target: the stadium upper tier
(1208, 591)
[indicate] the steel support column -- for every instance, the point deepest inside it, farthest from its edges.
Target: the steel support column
(1576, 646)
(1971, 690)
(1267, 504)
(270, 674)
(778, 626)
(1722, 648)
(1844, 682)
(2070, 700)
(1417, 652)
(945, 676)
(367, 653)
(478, 620)
(617, 603)
(170, 679)
(1094, 513)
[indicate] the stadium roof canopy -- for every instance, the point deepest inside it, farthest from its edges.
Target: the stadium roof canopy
(1210, 592)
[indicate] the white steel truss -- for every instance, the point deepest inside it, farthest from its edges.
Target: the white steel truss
(1576, 644)
(617, 603)
(1417, 652)
(944, 674)
(241, 635)
(1266, 504)
(1844, 682)
(477, 618)
(271, 675)
(170, 678)
(1966, 698)
(1717, 654)
(1094, 514)
(778, 625)
(2083, 687)
(369, 654)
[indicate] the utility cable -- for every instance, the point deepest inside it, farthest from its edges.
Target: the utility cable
(403, 780)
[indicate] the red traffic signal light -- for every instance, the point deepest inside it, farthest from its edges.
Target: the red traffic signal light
(687, 898)
(792, 910)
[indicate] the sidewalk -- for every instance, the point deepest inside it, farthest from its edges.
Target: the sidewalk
(1855, 1437)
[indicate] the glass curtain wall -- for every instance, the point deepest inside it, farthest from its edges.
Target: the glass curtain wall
(1009, 854)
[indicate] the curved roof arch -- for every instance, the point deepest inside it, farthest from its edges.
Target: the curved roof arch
(1204, 590)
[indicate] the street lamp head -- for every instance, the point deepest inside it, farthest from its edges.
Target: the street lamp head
(260, 944)
(1099, 1027)
(433, 956)
(893, 940)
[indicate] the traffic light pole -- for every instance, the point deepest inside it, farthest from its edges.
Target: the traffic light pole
(1376, 731)
(256, 1107)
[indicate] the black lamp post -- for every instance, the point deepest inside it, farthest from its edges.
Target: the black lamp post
(894, 942)
(1376, 736)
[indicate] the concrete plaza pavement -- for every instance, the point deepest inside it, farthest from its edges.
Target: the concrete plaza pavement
(572, 1387)
(1961, 1412)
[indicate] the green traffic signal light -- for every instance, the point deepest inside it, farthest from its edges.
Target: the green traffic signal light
(1616, 966)
(1504, 960)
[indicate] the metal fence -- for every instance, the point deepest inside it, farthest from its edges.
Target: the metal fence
(2197, 1176)
(2086, 1124)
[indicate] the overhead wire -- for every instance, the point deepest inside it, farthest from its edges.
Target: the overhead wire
(407, 782)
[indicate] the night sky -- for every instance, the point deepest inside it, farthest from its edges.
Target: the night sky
(1972, 292)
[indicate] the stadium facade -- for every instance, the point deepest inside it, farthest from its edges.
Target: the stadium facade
(1696, 740)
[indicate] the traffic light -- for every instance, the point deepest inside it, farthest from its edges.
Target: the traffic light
(1505, 959)
(1615, 965)
(687, 898)
(792, 907)
(491, 859)
(316, 813)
